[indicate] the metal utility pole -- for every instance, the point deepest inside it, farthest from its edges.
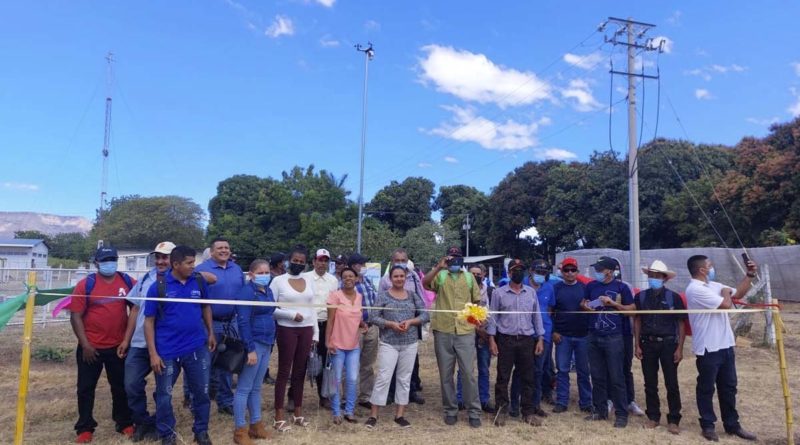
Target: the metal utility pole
(107, 134)
(634, 31)
(467, 227)
(369, 53)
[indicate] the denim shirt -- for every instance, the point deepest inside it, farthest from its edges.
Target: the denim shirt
(256, 323)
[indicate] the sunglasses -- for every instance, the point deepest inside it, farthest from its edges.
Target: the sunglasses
(569, 270)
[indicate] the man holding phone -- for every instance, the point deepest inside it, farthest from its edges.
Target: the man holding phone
(712, 343)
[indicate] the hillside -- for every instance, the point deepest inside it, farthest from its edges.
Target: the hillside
(11, 222)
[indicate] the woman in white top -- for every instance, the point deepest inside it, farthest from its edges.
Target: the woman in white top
(297, 331)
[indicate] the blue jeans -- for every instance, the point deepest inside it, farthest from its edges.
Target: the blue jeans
(248, 388)
(484, 362)
(137, 367)
(350, 361)
(221, 383)
(717, 369)
(196, 366)
(606, 356)
(578, 346)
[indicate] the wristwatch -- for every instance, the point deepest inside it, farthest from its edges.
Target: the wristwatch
(751, 274)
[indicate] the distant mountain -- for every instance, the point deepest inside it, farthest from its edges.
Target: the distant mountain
(11, 222)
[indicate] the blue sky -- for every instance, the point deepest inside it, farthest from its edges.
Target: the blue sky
(459, 92)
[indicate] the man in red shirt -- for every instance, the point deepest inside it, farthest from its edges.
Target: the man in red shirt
(99, 324)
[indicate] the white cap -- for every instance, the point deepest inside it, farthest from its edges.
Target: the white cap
(164, 247)
(323, 252)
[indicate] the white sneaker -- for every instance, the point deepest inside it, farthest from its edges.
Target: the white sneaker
(610, 407)
(634, 409)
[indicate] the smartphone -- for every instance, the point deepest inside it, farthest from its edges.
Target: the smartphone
(594, 304)
(745, 258)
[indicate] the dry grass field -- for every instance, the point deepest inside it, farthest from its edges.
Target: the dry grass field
(52, 411)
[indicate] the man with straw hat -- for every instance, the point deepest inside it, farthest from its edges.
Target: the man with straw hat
(659, 341)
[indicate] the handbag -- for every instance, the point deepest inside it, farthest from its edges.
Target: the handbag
(329, 383)
(313, 366)
(231, 353)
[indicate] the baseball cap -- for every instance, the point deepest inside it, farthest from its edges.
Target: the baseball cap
(357, 258)
(323, 253)
(164, 247)
(105, 254)
(454, 251)
(605, 262)
(569, 261)
(516, 263)
(340, 259)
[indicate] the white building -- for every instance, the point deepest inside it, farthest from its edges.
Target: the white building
(23, 253)
(134, 260)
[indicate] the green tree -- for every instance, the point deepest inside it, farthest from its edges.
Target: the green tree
(403, 205)
(377, 240)
(427, 243)
(455, 203)
(31, 234)
(68, 245)
(142, 222)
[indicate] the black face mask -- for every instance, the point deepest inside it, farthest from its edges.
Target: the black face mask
(296, 269)
(517, 276)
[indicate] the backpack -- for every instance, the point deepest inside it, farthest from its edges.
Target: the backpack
(91, 281)
(162, 290)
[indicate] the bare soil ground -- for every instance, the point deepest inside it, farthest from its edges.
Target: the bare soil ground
(52, 410)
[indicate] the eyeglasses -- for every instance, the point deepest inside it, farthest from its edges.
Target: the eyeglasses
(569, 270)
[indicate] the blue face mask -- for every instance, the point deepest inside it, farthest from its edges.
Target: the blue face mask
(403, 265)
(712, 274)
(262, 280)
(107, 268)
(599, 276)
(655, 283)
(454, 268)
(538, 279)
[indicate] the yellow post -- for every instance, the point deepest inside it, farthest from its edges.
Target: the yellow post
(787, 396)
(27, 333)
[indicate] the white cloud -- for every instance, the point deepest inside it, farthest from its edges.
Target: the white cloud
(662, 40)
(450, 160)
(474, 77)
(675, 18)
(579, 90)
(765, 122)
(699, 72)
(327, 41)
(372, 25)
(794, 109)
(796, 66)
(282, 26)
(702, 94)
(424, 165)
(724, 69)
(587, 62)
(326, 3)
(558, 154)
(706, 71)
(21, 186)
(467, 126)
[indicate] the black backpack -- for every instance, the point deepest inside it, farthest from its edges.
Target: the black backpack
(162, 290)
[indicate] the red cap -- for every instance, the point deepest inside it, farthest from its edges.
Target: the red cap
(569, 261)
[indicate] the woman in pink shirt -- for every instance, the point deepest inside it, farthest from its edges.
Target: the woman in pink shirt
(342, 337)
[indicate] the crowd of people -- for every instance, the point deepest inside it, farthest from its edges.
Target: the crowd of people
(543, 325)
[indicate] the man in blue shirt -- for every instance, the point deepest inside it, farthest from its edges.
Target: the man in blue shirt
(604, 297)
(180, 335)
(230, 280)
(569, 335)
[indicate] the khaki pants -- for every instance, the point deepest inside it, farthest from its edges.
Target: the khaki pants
(366, 373)
(389, 358)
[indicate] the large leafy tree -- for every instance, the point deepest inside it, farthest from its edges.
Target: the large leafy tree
(403, 205)
(454, 203)
(377, 240)
(142, 222)
(427, 243)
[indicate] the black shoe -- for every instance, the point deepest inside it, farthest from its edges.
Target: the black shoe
(474, 422)
(414, 397)
(325, 403)
(370, 423)
(366, 404)
(595, 417)
(269, 380)
(402, 422)
(202, 438)
(539, 412)
(513, 412)
(144, 432)
(450, 420)
(561, 408)
(742, 433)
(585, 409)
(169, 440)
(226, 410)
(487, 408)
(461, 406)
(620, 422)
(710, 435)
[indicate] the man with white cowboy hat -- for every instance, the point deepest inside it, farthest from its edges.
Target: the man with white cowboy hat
(659, 340)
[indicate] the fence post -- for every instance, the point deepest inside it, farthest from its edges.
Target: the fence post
(787, 395)
(769, 330)
(27, 333)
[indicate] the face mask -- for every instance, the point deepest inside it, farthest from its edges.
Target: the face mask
(712, 274)
(454, 268)
(517, 276)
(599, 276)
(107, 268)
(262, 280)
(403, 265)
(296, 269)
(538, 279)
(362, 272)
(655, 283)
